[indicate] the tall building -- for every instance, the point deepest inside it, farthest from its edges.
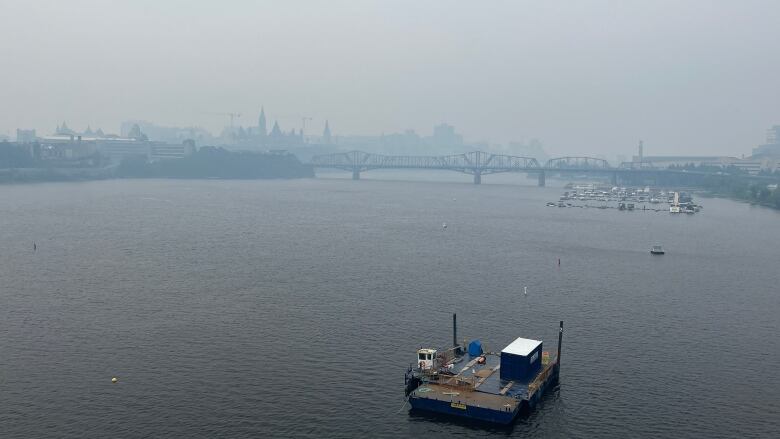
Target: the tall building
(262, 128)
(25, 136)
(444, 135)
(772, 146)
(641, 151)
(326, 134)
(276, 132)
(64, 130)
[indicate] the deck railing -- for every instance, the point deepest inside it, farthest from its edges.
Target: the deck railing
(536, 383)
(452, 380)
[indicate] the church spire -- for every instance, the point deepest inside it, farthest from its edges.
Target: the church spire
(276, 131)
(326, 133)
(261, 124)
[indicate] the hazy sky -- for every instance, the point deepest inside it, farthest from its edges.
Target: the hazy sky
(590, 77)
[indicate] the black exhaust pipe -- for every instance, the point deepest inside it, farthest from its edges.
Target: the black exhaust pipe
(560, 340)
(454, 330)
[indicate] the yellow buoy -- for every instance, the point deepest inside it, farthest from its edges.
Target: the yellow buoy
(114, 380)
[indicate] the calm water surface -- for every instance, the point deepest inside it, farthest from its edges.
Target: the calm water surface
(292, 308)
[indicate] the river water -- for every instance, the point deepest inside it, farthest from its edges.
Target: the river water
(292, 308)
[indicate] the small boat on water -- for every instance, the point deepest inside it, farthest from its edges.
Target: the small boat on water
(657, 250)
(675, 207)
(467, 382)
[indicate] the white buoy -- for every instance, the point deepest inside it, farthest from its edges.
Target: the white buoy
(525, 290)
(443, 225)
(114, 380)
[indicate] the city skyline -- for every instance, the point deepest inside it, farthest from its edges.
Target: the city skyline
(692, 78)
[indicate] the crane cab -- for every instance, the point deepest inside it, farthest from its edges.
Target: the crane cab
(425, 358)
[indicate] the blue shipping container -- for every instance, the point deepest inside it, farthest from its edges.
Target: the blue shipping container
(521, 360)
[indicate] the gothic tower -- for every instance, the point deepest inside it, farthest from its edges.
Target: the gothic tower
(326, 134)
(262, 129)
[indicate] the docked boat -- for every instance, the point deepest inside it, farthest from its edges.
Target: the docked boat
(657, 250)
(486, 386)
(675, 207)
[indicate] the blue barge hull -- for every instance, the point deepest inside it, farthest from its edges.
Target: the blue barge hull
(482, 406)
(475, 390)
(471, 412)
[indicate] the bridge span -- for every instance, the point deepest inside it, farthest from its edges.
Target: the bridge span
(476, 163)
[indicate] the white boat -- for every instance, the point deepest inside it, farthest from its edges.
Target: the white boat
(675, 207)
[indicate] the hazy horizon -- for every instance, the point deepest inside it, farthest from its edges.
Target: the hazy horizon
(589, 77)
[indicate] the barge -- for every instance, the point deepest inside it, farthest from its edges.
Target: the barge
(467, 382)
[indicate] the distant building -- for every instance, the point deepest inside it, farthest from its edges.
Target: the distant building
(533, 148)
(254, 138)
(326, 138)
(757, 165)
(661, 161)
(408, 142)
(68, 145)
(277, 139)
(443, 141)
(25, 136)
(772, 146)
(63, 130)
(262, 128)
(444, 135)
(159, 133)
(66, 148)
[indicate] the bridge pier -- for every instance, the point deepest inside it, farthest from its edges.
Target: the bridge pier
(614, 179)
(356, 174)
(477, 178)
(542, 182)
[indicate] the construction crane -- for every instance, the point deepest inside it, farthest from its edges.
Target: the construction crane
(232, 116)
(302, 118)
(303, 123)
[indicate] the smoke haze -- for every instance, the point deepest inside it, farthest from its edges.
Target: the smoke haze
(589, 77)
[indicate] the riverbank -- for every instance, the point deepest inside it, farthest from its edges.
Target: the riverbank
(770, 204)
(739, 188)
(41, 175)
(208, 162)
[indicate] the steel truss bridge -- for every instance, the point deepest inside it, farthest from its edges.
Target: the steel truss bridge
(476, 163)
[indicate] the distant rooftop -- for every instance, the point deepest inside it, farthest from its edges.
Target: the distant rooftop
(67, 137)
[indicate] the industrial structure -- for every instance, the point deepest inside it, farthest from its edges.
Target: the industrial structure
(479, 163)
